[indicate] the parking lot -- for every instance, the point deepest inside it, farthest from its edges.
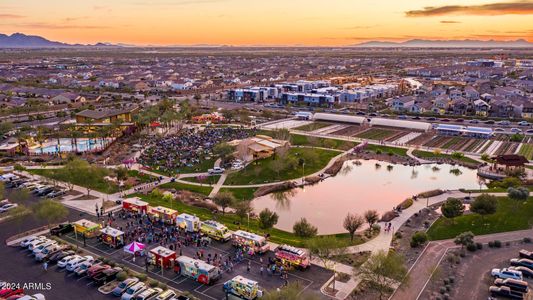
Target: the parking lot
(310, 280)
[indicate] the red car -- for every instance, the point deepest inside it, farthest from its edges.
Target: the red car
(4, 293)
(97, 269)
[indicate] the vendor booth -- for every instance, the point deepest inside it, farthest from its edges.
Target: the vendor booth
(135, 205)
(197, 269)
(87, 228)
(292, 257)
(188, 222)
(135, 248)
(112, 237)
(161, 256)
(243, 288)
(164, 214)
(250, 241)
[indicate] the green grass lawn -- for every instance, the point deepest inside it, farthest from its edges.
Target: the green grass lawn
(242, 193)
(303, 140)
(428, 155)
(204, 190)
(527, 151)
(142, 177)
(207, 180)
(375, 134)
(261, 170)
(97, 182)
(312, 126)
(509, 216)
(276, 235)
(203, 166)
(386, 149)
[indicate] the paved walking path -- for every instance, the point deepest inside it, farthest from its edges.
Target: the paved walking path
(218, 185)
(420, 272)
(420, 160)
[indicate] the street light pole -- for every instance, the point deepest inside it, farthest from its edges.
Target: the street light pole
(303, 172)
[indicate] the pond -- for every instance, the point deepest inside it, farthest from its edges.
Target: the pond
(360, 186)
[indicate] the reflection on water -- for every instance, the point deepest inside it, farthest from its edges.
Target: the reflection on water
(359, 187)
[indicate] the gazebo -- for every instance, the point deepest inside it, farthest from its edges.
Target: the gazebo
(509, 163)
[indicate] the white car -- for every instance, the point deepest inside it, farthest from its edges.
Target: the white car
(33, 244)
(25, 242)
(46, 252)
(516, 130)
(33, 297)
(7, 207)
(506, 273)
(65, 260)
(82, 268)
(216, 170)
(41, 247)
(73, 264)
(133, 291)
(523, 123)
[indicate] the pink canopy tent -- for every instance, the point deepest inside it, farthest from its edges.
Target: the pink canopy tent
(134, 247)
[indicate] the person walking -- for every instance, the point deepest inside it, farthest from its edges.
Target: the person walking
(45, 266)
(248, 267)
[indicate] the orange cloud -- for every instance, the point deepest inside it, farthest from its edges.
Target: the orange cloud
(506, 8)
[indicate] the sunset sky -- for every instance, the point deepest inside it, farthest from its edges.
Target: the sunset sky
(266, 22)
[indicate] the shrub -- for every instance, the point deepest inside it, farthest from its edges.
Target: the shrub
(398, 235)
(153, 283)
(491, 244)
(142, 277)
(462, 253)
(163, 286)
(442, 290)
(378, 151)
(479, 246)
(471, 247)
(446, 281)
(448, 287)
(406, 203)
(122, 276)
(451, 279)
(497, 244)
(526, 240)
(419, 238)
(303, 228)
(376, 227)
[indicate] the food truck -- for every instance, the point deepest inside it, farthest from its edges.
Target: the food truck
(215, 230)
(164, 214)
(188, 222)
(292, 256)
(256, 242)
(135, 205)
(197, 269)
(87, 228)
(112, 237)
(161, 256)
(243, 288)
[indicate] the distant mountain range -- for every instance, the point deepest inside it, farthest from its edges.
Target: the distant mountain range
(418, 43)
(20, 40)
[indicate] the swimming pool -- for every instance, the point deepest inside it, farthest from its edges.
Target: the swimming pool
(67, 145)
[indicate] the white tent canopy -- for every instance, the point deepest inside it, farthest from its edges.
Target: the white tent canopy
(415, 125)
(339, 118)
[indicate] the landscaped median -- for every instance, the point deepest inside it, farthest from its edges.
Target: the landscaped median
(510, 215)
(232, 221)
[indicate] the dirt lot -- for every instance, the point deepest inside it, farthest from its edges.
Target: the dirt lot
(471, 273)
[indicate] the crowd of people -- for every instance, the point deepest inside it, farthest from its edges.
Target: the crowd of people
(187, 148)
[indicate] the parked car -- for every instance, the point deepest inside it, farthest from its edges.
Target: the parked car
(216, 170)
(523, 123)
(83, 267)
(124, 285)
(489, 122)
(36, 243)
(73, 264)
(504, 123)
(25, 242)
(7, 207)
(522, 262)
(55, 193)
(95, 269)
(504, 291)
(106, 276)
(474, 121)
(516, 130)
(41, 255)
(506, 273)
(63, 262)
(498, 129)
(59, 256)
(166, 295)
(41, 247)
(61, 229)
(4, 293)
(148, 294)
(526, 272)
(133, 291)
(515, 285)
(33, 297)
(525, 254)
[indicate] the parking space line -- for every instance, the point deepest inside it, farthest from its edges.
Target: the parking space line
(84, 276)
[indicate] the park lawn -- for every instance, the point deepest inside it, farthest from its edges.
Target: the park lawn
(313, 126)
(207, 180)
(303, 140)
(510, 216)
(527, 151)
(203, 166)
(241, 193)
(386, 149)
(261, 171)
(203, 190)
(142, 177)
(494, 190)
(428, 155)
(231, 221)
(98, 183)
